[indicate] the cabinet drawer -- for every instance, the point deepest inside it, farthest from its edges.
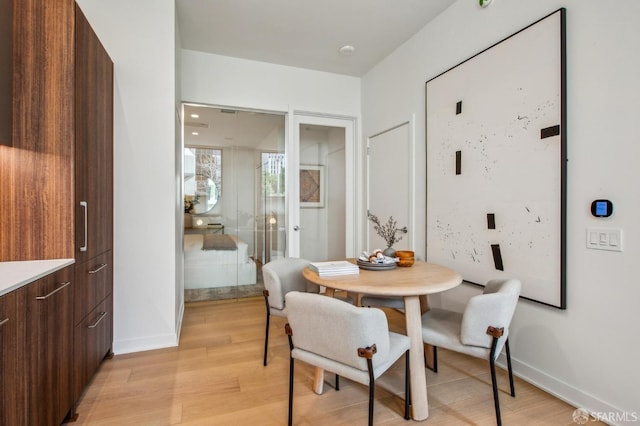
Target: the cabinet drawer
(93, 338)
(94, 281)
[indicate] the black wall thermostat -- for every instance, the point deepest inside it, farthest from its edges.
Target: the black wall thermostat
(601, 208)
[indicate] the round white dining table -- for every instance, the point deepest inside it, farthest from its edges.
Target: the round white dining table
(411, 283)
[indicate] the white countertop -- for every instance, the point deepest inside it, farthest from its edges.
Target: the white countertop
(14, 275)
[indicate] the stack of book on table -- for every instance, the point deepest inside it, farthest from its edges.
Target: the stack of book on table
(334, 268)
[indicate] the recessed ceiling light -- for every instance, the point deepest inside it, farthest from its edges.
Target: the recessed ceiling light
(347, 50)
(195, 133)
(195, 116)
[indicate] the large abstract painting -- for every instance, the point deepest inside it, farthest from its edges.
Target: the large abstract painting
(496, 163)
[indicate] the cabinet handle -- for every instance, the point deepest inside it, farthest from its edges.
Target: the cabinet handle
(85, 209)
(99, 268)
(54, 291)
(95, 324)
(4, 321)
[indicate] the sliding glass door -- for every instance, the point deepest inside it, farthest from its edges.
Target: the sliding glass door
(227, 206)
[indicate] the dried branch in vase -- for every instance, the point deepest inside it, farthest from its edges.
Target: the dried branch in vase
(389, 231)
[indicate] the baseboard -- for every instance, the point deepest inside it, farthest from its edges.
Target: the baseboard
(569, 394)
(145, 344)
(179, 323)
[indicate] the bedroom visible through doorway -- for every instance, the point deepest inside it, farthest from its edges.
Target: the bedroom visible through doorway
(230, 228)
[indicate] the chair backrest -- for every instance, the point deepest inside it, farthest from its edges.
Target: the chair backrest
(494, 307)
(335, 329)
(281, 276)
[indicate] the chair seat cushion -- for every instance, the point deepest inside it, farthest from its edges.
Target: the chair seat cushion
(441, 328)
(398, 345)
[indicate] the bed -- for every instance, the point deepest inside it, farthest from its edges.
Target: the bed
(216, 260)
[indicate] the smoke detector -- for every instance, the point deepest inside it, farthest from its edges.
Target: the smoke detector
(347, 50)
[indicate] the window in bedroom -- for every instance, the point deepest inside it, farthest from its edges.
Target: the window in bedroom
(273, 177)
(202, 178)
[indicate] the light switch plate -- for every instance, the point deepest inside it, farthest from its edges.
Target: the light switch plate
(604, 239)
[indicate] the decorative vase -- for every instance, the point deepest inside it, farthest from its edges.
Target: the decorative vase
(188, 220)
(389, 252)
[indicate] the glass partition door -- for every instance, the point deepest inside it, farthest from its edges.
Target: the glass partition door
(234, 215)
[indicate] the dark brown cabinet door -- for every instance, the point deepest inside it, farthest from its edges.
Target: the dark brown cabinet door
(93, 143)
(49, 347)
(12, 365)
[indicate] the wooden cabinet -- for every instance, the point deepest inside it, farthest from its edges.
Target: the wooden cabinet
(93, 307)
(49, 353)
(37, 172)
(6, 71)
(56, 203)
(93, 318)
(36, 352)
(93, 284)
(12, 366)
(94, 143)
(62, 138)
(93, 336)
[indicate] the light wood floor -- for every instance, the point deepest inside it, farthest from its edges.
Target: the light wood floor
(216, 377)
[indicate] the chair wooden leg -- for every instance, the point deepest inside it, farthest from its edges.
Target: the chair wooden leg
(407, 386)
(513, 389)
(337, 382)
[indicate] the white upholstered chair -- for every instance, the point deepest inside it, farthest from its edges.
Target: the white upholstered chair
(482, 330)
(350, 341)
(280, 277)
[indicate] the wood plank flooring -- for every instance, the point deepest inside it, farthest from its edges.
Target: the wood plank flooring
(216, 377)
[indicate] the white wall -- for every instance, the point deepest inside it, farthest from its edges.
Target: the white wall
(587, 354)
(225, 81)
(139, 37)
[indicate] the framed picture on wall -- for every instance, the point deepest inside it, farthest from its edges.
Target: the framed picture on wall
(496, 163)
(311, 186)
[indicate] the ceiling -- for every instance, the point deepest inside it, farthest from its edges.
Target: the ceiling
(304, 33)
(221, 128)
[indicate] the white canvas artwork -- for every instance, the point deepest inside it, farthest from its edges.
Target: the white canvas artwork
(496, 163)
